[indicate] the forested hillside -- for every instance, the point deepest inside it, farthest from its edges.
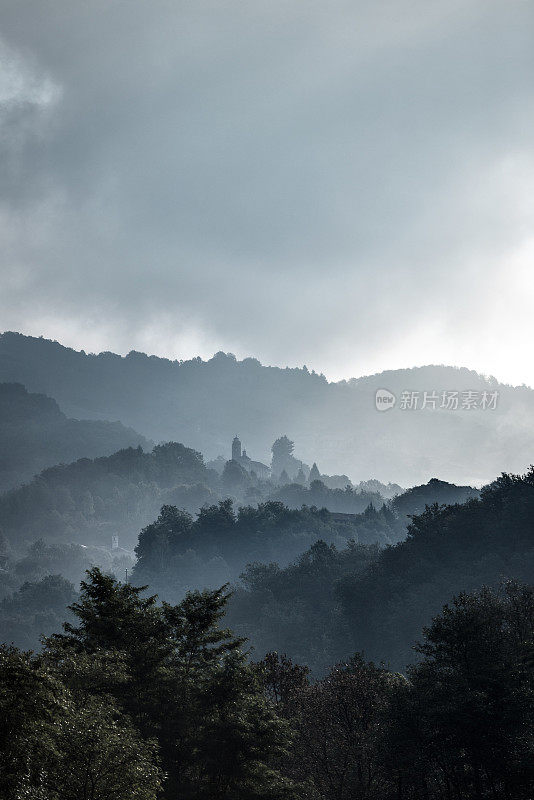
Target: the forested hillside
(141, 700)
(266, 400)
(35, 434)
(91, 500)
(204, 404)
(321, 713)
(414, 501)
(448, 550)
(177, 552)
(190, 528)
(333, 600)
(295, 610)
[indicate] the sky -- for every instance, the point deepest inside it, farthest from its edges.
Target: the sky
(347, 185)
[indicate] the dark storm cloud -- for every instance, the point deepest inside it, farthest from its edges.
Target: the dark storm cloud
(339, 184)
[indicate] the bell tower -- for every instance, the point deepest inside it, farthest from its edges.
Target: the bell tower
(236, 449)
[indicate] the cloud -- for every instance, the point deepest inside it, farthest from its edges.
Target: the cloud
(338, 184)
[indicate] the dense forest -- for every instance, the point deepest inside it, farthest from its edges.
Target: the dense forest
(204, 404)
(331, 601)
(35, 434)
(180, 550)
(386, 654)
(175, 553)
(295, 610)
(449, 549)
(140, 700)
(90, 500)
(266, 513)
(313, 639)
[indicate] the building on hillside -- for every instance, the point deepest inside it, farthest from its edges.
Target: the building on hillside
(261, 470)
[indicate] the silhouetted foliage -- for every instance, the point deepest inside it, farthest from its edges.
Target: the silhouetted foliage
(295, 609)
(35, 610)
(449, 549)
(60, 744)
(90, 500)
(187, 683)
(35, 434)
(132, 683)
(204, 403)
(175, 552)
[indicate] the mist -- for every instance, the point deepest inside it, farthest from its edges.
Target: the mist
(347, 188)
(266, 399)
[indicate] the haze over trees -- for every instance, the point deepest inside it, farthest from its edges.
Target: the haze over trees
(313, 639)
(264, 689)
(90, 500)
(196, 528)
(177, 552)
(137, 700)
(35, 434)
(166, 505)
(449, 549)
(222, 579)
(204, 404)
(334, 600)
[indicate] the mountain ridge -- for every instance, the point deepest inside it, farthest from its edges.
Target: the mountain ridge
(205, 403)
(36, 434)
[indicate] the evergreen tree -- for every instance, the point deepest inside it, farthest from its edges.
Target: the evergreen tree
(162, 539)
(282, 451)
(118, 618)
(188, 684)
(467, 718)
(284, 478)
(314, 475)
(58, 744)
(301, 477)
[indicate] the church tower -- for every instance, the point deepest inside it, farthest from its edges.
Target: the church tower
(236, 449)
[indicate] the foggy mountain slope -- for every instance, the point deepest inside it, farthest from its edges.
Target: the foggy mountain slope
(414, 501)
(456, 548)
(35, 434)
(329, 604)
(89, 501)
(204, 404)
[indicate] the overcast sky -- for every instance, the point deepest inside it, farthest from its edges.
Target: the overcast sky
(348, 185)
